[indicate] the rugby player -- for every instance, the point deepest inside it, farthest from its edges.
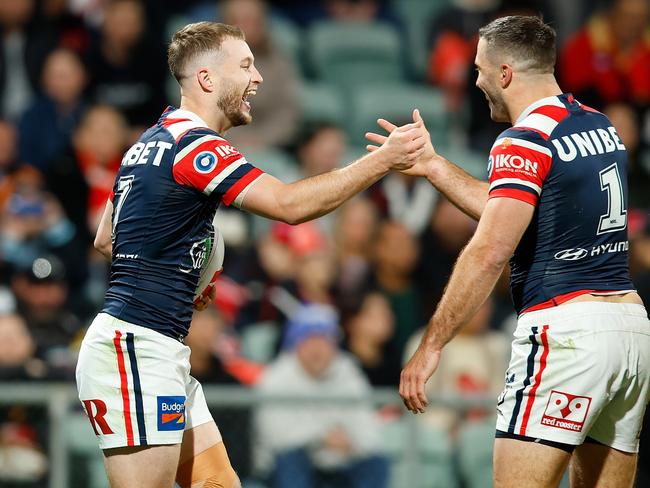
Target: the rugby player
(149, 414)
(555, 205)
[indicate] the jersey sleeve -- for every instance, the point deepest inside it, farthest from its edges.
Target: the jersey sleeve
(210, 164)
(518, 167)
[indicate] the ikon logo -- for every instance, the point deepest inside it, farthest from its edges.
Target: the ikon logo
(572, 254)
(566, 411)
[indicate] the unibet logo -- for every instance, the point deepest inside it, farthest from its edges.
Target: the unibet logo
(171, 413)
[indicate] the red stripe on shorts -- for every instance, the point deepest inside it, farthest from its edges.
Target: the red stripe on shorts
(125, 388)
(538, 380)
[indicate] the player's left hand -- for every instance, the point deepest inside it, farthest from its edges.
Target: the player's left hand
(208, 297)
(423, 164)
(414, 377)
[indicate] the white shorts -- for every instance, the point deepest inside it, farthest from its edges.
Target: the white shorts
(578, 370)
(135, 385)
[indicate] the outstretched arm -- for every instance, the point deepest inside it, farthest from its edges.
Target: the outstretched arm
(313, 197)
(103, 238)
(479, 266)
(463, 190)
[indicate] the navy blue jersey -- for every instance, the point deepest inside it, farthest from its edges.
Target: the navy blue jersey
(166, 192)
(568, 161)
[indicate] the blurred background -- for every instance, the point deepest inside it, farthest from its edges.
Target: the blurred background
(301, 354)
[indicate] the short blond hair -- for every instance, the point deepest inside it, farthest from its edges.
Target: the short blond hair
(195, 39)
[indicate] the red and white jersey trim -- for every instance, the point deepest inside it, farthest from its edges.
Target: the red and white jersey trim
(516, 181)
(523, 143)
(227, 171)
(179, 122)
(543, 116)
(191, 147)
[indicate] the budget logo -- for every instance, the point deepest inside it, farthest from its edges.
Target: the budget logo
(171, 412)
(566, 411)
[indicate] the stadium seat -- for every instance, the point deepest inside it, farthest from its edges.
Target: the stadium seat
(349, 53)
(475, 163)
(417, 16)
(277, 163)
(82, 441)
(321, 103)
(434, 468)
(258, 341)
(475, 443)
(287, 37)
(274, 161)
(396, 102)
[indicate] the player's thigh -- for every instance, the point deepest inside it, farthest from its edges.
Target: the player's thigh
(142, 466)
(519, 463)
(599, 466)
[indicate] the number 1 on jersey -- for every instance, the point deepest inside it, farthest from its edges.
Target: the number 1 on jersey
(124, 185)
(616, 217)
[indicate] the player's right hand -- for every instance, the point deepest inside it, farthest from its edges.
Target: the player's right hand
(425, 157)
(414, 377)
(404, 145)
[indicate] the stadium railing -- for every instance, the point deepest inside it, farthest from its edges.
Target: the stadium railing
(61, 402)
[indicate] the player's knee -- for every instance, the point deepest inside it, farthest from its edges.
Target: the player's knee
(209, 469)
(226, 479)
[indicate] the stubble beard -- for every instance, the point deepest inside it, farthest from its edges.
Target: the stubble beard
(498, 111)
(230, 105)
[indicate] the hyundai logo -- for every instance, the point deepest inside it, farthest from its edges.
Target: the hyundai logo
(572, 254)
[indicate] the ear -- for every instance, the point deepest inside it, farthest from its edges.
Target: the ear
(505, 75)
(205, 80)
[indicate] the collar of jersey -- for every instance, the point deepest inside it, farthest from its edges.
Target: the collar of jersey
(554, 100)
(180, 113)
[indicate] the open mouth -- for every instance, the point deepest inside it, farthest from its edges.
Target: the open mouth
(245, 98)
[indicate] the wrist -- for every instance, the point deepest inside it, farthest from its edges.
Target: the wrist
(433, 342)
(384, 160)
(434, 168)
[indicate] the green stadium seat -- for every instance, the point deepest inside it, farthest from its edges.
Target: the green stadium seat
(417, 16)
(475, 163)
(396, 102)
(434, 464)
(277, 163)
(349, 53)
(287, 37)
(321, 102)
(475, 446)
(258, 341)
(81, 440)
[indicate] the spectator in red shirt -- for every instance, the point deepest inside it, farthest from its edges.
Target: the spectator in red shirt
(607, 60)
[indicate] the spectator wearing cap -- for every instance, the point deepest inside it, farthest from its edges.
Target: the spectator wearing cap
(32, 224)
(315, 441)
(41, 292)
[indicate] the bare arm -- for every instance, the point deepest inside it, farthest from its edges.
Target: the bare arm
(103, 238)
(313, 197)
(479, 266)
(467, 193)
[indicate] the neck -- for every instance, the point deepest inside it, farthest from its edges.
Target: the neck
(530, 89)
(215, 119)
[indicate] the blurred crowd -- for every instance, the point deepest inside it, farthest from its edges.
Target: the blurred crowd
(336, 305)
